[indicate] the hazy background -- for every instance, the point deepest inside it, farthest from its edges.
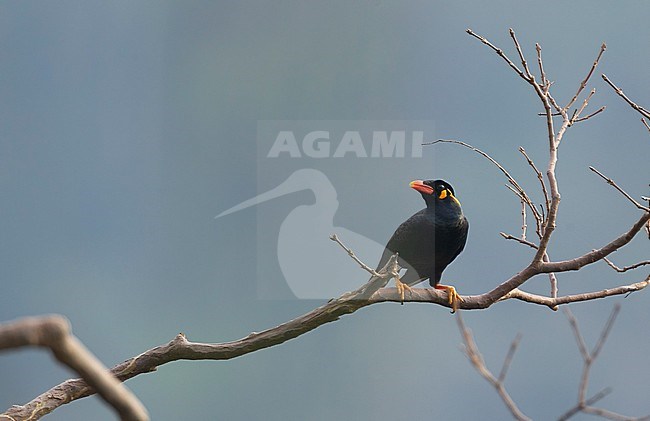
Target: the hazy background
(125, 127)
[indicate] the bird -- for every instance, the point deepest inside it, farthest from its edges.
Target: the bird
(427, 242)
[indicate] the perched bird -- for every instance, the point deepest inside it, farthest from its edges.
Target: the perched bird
(430, 239)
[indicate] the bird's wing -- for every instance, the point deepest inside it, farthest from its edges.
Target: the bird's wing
(462, 238)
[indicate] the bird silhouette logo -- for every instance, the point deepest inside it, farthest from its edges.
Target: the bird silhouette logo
(313, 266)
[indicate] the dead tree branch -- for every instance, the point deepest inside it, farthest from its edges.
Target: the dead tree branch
(180, 348)
(474, 356)
(585, 404)
(623, 192)
(644, 112)
(626, 268)
(53, 332)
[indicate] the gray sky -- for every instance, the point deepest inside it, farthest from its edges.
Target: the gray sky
(127, 126)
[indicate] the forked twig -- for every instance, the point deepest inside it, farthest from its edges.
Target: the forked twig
(584, 82)
(474, 355)
(584, 404)
(500, 52)
(626, 268)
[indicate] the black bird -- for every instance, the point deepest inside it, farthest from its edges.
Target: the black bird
(430, 239)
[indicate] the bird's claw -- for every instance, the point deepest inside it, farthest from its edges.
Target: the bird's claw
(401, 287)
(453, 298)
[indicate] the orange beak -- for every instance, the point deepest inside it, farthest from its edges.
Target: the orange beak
(421, 187)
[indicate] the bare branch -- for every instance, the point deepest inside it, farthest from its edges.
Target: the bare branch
(584, 404)
(529, 76)
(509, 356)
(520, 240)
(623, 192)
(645, 123)
(545, 82)
(575, 118)
(554, 140)
(598, 111)
(645, 113)
(523, 220)
(626, 268)
(539, 177)
(605, 333)
(521, 193)
(474, 356)
(583, 84)
(598, 254)
(588, 358)
(604, 413)
(501, 54)
(182, 349)
(354, 257)
(577, 409)
(53, 332)
(582, 346)
(553, 303)
(371, 293)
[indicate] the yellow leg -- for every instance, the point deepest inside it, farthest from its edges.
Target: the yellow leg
(401, 287)
(454, 299)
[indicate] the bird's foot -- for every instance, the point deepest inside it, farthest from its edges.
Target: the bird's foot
(401, 287)
(454, 299)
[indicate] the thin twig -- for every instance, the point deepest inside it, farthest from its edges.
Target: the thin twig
(598, 111)
(577, 120)
(623, 192)
(577, 409)
(576, 114)
(519, 240)
(554, 139)
(645, 123)
(499, 52)
(517, 188)
(538, 173)
(584, 82)
(509, 356)
(545, 83)
(523, 220)
(606, 330)
(626, 268)
(553, 303)
(475, 357)
(645, 113)
(354, 257)
(529, 76)
(584, 404)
